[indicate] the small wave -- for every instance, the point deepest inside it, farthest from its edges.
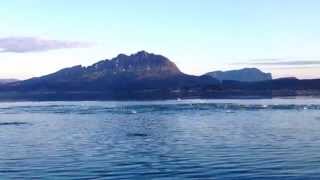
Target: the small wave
(150, 108)
(134, 112)
(13, 123)
(137, 135)
(230, 112)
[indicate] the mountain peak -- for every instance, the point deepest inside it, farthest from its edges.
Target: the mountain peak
(142, 53)
(141, 63)
(121, 56)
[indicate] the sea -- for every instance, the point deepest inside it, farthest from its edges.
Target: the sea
(174, 139)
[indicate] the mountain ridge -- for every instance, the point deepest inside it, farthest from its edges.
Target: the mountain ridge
(145, 76)
(140, 63)
(141, 70)
(244, 75)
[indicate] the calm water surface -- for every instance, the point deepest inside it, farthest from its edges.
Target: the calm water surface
(191, 139)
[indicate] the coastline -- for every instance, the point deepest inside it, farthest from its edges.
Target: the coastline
(154, 95)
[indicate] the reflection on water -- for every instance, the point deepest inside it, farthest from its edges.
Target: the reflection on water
(195, 139)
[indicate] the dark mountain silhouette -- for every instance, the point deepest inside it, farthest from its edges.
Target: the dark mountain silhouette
(245, 75)
(138, 71)
(149, 76)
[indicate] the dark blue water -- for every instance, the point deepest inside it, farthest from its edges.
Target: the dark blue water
(194, 139)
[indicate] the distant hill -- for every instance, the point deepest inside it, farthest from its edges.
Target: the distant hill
(5, 81)
(243, 75)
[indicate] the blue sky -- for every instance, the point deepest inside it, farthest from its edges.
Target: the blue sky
(282, 37)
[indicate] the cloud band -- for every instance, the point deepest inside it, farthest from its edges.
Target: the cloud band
(34, 44)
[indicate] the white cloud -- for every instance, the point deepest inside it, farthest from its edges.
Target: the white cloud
(34, 44)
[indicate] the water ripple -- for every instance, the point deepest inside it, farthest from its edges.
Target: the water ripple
(166, 108)
(188, 140)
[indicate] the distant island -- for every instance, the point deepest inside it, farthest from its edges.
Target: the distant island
(147, 76)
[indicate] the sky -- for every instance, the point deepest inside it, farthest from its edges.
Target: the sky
(39, 37)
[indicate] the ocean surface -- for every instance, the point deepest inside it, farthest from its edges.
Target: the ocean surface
(187, 139)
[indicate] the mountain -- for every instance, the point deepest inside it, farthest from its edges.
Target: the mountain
(139, 71)
(141, 65)
(5, 81)
(243, 75)
(147, 76)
